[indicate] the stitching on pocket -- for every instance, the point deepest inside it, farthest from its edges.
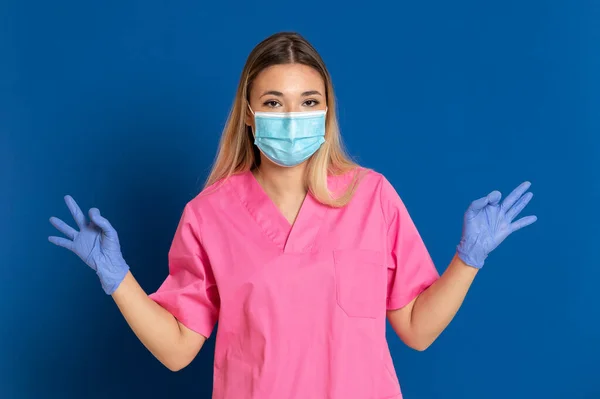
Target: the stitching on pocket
(357, 280)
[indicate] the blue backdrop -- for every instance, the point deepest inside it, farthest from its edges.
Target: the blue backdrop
(121, 104)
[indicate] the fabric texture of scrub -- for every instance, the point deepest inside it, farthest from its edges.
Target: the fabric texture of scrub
(301, 309)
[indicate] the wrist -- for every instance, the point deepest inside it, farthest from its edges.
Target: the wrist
(459, 263)
(112, 277)
(475, 261)
(471, 254)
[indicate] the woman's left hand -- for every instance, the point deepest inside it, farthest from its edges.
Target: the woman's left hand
(487, 223)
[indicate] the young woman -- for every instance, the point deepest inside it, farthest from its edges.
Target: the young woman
(299, 254)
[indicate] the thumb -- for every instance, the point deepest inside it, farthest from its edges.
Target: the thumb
(101, 222)
(491, 198)
(494, 197)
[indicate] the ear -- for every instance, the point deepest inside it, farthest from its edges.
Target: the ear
(249, 120)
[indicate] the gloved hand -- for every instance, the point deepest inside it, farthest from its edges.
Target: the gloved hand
(487, 223)
(96, 243)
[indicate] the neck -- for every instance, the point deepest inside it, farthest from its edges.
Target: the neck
(280, 182)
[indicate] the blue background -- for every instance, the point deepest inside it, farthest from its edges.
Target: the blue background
(121, 104)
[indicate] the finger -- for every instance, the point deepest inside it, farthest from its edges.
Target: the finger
(523, 222)
(480, 203)
(75, 211)
(517, 193)
(519, 206)
(494, 197)
(61, 242)
(101, 222)
(63, 227)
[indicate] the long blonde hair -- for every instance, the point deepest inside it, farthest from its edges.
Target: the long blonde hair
(237, 152)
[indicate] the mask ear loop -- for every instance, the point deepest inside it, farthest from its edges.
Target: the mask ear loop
(254, 115)
(252, 135)
(255, 149)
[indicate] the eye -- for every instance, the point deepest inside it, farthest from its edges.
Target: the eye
(271, 103)
(311, 103)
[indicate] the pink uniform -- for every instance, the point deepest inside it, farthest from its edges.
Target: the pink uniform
(302, 308)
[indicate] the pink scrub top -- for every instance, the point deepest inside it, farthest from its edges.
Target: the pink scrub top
(301, 309)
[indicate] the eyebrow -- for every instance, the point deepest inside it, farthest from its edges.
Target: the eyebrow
(280, 94)
(311, 93)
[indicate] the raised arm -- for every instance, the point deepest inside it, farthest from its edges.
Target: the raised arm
(97, 244)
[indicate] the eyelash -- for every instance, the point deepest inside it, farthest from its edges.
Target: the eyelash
(267, 103)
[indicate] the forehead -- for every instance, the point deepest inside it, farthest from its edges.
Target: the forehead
(288, 78)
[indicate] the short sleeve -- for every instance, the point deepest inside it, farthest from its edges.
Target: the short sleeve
(410, 267)
(189, 292)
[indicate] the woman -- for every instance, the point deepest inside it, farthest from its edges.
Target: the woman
(299, 253)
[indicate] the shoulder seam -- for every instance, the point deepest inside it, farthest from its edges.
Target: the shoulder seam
(198, 233)
(381, 183)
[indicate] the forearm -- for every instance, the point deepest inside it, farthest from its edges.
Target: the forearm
(435, 307)
(156, 328)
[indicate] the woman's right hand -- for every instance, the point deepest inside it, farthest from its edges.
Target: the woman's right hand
(96, 243)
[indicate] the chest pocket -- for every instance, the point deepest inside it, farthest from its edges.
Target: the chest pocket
(361, 282)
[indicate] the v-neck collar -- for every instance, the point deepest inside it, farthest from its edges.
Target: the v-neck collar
(299, 237)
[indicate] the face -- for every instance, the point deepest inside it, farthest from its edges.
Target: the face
(287, 88)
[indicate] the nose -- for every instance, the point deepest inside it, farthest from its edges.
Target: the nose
(291, 108)
(295, 108)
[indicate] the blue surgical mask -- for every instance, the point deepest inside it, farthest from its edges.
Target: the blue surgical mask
(289, 138)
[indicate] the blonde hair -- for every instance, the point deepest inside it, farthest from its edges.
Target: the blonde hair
(237, 152)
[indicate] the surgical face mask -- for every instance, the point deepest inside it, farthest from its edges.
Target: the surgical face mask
(289, 138)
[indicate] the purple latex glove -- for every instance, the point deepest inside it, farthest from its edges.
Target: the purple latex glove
(96, 243)
(487, 223)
